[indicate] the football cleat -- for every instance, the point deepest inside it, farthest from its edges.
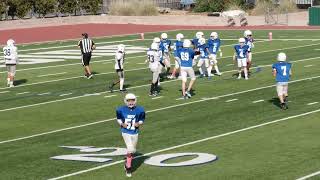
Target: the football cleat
(188, 94)
(123, 90)
(90, 76)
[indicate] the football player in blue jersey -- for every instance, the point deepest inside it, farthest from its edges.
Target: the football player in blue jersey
(186, 56)
(204, 59)
(241, 55)
(165, 48)
(195, 43)
(177, 45)
(281, 70)
(130, 118)
(249, 41)
(214, 44)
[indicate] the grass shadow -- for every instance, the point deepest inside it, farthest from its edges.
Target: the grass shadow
(275, 101)
(20, 81)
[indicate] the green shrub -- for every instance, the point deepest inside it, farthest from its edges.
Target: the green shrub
(133, 8)
(43, 7)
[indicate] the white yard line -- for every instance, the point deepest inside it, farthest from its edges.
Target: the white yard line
(23, 93)
(46, 93)
(261, 100)
(231, 100)
(110, 96)
(66, 94)
(196, 142)
(308, 66)
(309, 104)
(4, 92)
(309, 176)
(157, 97)
(154, 110)
(45, 75)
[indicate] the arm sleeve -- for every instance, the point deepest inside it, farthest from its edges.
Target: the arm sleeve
(119, 116)
(142, 117)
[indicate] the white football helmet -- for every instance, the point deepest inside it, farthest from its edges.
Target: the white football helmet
(128, 98)
(186, 43)
(199, 34)
(154, 46)
(121, 48)
(214, 35)
(202, 41)
(156, 40)
(242, 40)
(179, 37)
(282, 57)
(247, 33)
(164, 36)
(10, 42)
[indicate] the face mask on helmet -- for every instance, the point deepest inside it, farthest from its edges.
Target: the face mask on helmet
(130, 100)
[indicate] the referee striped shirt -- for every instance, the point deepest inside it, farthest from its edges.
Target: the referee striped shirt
(86, 45)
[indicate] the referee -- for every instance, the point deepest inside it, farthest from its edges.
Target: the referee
(86, 45)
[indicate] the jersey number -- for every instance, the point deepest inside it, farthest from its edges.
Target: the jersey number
(151, 58)
(241, 53)
(284, 69)
(130, 123)
(7, 52)
(185, 56)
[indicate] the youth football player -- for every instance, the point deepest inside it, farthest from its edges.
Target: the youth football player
(11, 60)
(164, 47)
(241, 55)
(186, 56)
(204, 53)
(177, 45)
(130, 118)
(281, 70)
(214, 46)
(118, 66)
(249, 41)
(155, 68)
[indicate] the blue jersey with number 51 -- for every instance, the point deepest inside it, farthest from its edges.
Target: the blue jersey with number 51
(283, 71)
(186, 56)
(130, 116)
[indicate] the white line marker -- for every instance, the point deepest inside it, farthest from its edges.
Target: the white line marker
(178, 99)
(157, 97)
(229, 64)
(46, 93)
(23, 93)
(154, 110)
(309, 104)
(309, 176)
(231, 100)
(261, 100)
(308, 66)
(107, 62)
(110, 96)
(4, 92)
(317, 49)
(93, 94)
(45, 75)
(195, 142)
(141, 63)
(66, 94)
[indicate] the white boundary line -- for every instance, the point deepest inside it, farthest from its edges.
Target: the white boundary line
(147, 68)
(45, 75)
(154, 110)
(192, 143)
(309, 176)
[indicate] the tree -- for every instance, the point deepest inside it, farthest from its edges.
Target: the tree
(3, 7)
(19, 8)
(43, 7)
(92, 6)
(68, 6)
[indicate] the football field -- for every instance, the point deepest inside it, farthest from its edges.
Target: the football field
(238, 121)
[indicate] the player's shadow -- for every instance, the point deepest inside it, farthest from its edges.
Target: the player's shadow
(275, 101)
(20, 81)
(136, 163)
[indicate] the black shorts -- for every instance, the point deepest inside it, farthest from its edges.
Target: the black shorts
(86, 59)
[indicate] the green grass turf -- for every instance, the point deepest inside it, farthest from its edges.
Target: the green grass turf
(265, 153)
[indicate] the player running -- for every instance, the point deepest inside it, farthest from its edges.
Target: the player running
(164, 47)
(281, 70)
(177, 45)
(11, 60)
(214, 44)
(186, 56)
(118, 66)
(249, 41)
(204, 53)
(130, 118)
(155, 68)
(241, 55)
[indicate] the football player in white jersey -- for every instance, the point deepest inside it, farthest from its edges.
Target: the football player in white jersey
(249, 41)
(118, 66)
(155, 68)
(10, 53)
